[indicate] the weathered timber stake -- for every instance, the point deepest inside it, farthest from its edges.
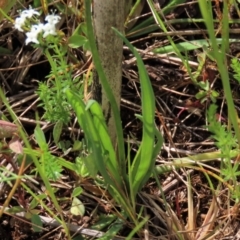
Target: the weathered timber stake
(108, 14)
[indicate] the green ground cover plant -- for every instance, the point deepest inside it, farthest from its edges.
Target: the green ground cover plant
(118, 171)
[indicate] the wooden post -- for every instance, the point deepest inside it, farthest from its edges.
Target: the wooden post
(108, 14)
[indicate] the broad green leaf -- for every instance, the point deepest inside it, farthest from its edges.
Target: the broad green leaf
(37, 223)
(77, 146)
(76, 41)
(77, 208)
(214, 93)
(214, 96)
(77, 191)
(81, 169)
(201, 94)
(78, 38)
(100, 125)
(90, 165)
(204, 85)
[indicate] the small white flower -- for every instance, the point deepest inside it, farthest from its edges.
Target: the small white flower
(49, 29)
(33, 34)
(19, 23)
(40, 27)
(52, 18)
(28, 13)
(21, 20)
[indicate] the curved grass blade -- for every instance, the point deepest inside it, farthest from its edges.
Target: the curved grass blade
(91, 133)
(100, 125)
(143, 162)
(94, 127)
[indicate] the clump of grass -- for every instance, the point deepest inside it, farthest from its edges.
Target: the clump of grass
(112, 169)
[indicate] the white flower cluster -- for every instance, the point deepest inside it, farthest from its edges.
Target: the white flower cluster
(49, 28)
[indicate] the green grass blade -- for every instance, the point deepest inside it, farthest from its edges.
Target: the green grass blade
(100, 125)
(190, 45)
(220, 57)
(91, 133)
(142, 164)
(171, 5)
